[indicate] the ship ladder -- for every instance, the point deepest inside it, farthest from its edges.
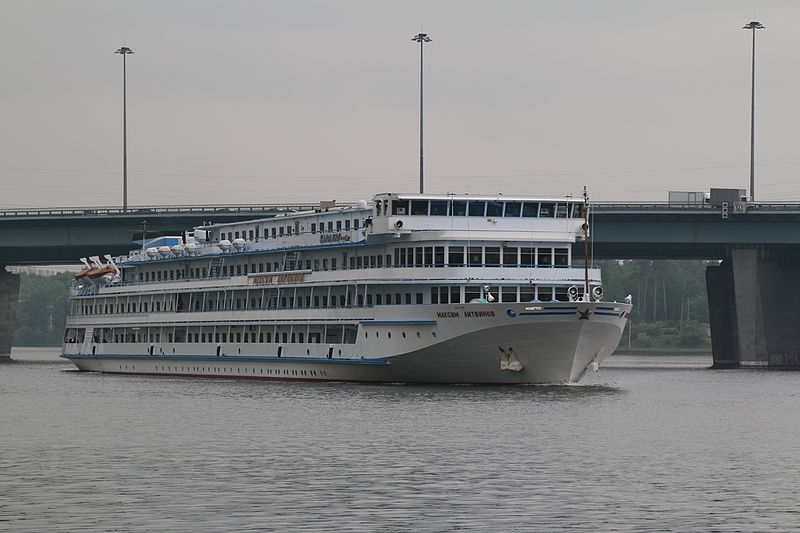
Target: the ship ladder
(290, 260)
(215, 268)
(272, 299)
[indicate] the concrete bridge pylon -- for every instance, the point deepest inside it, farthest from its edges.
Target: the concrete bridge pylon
(753, 306)
(9, 295)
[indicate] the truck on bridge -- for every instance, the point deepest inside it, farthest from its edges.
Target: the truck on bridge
(716, 197)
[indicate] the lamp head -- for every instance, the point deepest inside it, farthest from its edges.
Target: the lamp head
(124, 51)
(753, 25)
(421, 38)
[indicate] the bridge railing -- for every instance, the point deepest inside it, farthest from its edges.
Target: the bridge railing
(233, 209)
(666, 206)
(159, 209)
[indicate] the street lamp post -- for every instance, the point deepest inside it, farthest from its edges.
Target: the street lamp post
(124, 51)
(753, 25)
(421, 38)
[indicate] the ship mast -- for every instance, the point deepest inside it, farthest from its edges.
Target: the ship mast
(585, 228)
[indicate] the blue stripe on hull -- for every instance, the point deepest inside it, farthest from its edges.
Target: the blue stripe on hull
(231, 358)
(537, 313)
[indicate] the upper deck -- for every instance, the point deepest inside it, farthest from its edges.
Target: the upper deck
(391, 217)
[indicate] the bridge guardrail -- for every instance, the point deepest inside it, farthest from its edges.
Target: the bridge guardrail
(160, 209)
(666, 206)
(265, 208)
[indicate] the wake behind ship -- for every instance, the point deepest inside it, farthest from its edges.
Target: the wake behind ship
(412, 288)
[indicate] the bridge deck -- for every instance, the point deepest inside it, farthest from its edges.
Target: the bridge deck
(60, 235)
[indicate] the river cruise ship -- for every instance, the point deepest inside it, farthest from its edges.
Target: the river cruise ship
(412, 288)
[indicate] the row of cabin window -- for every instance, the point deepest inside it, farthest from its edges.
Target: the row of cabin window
(185, 302)
(280, 231)
(85, 307)
(298, 333)
(419, 256)
(273, 299)
(480, 208)
(504, 294)
(478, 256)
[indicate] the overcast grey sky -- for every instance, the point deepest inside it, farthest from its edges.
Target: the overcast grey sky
(259, 101)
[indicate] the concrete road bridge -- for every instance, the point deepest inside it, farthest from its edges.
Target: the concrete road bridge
(752, 292)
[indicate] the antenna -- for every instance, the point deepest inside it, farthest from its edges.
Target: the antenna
(585, 228)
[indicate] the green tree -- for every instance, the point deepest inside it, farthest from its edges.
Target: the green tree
(42, 309)
(669, 299)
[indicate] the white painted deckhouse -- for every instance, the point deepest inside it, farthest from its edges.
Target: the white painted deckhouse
(410, 288)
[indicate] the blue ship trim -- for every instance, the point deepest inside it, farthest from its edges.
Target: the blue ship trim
(391, 322)
(231, 358)
(538, 313)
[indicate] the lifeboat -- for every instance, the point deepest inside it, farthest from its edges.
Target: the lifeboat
(97, 269)
(83, 273)
(95, 272)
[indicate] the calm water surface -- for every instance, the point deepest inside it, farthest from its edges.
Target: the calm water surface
(646, 444)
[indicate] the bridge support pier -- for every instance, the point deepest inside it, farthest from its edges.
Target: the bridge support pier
(9, 294)
(752, 300)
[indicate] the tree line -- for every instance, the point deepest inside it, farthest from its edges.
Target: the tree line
(669, 299)
(42, 309)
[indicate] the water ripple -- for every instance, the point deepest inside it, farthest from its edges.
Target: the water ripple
(630, 450)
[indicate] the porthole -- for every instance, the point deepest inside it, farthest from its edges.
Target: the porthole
(434, 334)
(418, 335)
(308, 352)
(404, 334)
(389, 334)
(366, 335)
(376, 333)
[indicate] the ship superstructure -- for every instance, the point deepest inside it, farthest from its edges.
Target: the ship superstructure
(406, 288)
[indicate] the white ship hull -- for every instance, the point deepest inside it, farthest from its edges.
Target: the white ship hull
(466, 343)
